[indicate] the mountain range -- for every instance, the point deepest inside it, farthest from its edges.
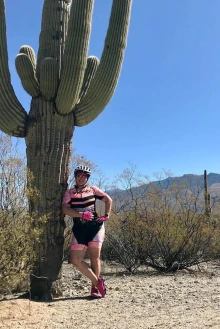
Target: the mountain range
(213, 181)
(196, 182)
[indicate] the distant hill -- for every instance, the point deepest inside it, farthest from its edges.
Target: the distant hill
(196, 182)
(190, 179)
(193, 180)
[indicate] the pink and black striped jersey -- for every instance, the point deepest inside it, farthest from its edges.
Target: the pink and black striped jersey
(85, 199)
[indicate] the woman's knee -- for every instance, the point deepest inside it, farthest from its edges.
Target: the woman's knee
(76, 257)
(75, 261)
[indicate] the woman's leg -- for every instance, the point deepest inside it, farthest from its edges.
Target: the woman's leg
(94, 251)
(94, 255)
(77, 253)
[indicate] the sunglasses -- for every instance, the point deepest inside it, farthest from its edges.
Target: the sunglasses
(79, 175)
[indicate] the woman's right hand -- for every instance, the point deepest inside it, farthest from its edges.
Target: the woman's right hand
(87, 216)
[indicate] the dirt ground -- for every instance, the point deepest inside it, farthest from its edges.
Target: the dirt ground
(184, 300)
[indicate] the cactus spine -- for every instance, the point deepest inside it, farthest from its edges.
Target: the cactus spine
(68, 89)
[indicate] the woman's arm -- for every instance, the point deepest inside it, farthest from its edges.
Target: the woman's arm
(67, 210)
(108, 204)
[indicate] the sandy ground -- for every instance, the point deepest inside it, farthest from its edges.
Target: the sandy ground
(184, 300)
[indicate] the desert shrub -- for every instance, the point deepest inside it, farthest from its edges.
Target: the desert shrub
(18, 231)
(123, 242)
(181, 234)
(108, 253)
(164, 227)
(215, 225)
(179, 242)
(16, 249)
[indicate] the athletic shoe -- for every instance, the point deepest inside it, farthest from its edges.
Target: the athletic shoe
(101, 286)
(94, 293)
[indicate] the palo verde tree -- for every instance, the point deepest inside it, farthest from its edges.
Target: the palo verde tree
(68, 89)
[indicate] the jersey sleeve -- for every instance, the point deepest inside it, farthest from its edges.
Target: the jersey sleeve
(66, 197)
(99, 194)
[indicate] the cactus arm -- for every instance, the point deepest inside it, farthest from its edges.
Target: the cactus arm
(91, 68)
(55, 17)
(25, 64)
(49, 78)
(30, 53)
(75, 55)
(104, 83)
(27, 74)
(13, 117)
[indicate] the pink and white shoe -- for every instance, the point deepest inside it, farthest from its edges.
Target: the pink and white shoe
(101, 286)
(95, 293)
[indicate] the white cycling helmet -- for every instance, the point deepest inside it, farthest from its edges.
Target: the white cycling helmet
(85, 169)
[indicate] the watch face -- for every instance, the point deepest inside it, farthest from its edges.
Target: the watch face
(106, 215)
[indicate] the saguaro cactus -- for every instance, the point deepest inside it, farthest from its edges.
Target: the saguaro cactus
(68, 89)
(207, 199)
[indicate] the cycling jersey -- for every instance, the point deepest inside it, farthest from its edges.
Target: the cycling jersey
(84, 200)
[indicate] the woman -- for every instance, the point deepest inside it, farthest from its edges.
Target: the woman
(79, 202)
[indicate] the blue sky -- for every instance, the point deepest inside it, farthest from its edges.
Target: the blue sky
(165, 113)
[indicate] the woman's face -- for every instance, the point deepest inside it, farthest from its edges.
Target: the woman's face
(81, 178)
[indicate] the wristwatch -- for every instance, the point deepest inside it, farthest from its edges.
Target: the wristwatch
(107, 215)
